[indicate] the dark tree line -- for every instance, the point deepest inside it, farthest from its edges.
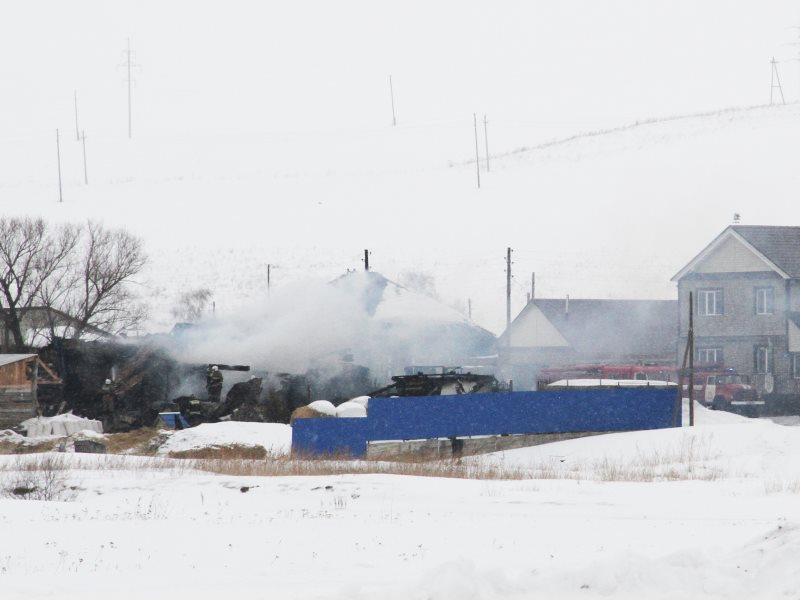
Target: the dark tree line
(80, 275)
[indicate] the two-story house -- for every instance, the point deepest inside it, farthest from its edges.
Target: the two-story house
(746, 296)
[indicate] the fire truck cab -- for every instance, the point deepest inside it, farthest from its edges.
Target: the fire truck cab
(722, 389)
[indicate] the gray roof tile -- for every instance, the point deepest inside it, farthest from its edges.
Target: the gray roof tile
(780, 244)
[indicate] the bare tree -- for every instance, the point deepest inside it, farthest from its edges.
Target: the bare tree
(31, 254)
(79, 276)
(191, 305)
(107, 260)
(419, 281)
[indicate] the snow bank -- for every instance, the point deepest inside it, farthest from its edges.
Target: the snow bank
(351, 409)
(273, 437)
(60, 425)
(362, 400)
(324, 407)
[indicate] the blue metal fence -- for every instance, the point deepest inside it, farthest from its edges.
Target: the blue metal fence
(430, 417)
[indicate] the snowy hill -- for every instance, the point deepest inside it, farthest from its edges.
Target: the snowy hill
(605, 214)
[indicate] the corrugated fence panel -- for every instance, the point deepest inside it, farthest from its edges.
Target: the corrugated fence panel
(427, 417)
(330, 436)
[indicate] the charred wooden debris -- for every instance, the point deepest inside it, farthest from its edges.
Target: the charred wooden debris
(127, 386)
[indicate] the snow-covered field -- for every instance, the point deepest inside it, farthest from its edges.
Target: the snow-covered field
(708, 512)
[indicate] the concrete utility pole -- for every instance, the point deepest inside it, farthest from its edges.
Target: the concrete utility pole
(128, 66)
(477, 156)
(391, 93)
(58, 156)
(775, 82)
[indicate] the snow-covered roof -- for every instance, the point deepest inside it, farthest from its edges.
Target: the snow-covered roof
(7, 359)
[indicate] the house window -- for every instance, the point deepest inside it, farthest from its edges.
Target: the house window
(709, 302)
(765, 300)
(796, 366)
(709, 355)
(762, 359)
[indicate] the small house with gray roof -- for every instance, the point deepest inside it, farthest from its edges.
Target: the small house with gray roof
(746, 304)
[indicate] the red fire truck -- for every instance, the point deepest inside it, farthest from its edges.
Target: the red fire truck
(618, 372)
(714, 385)
(723, 389)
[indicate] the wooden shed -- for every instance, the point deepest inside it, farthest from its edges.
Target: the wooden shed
(18, 381)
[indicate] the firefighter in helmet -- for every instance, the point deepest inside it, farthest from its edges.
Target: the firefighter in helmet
(214, 383)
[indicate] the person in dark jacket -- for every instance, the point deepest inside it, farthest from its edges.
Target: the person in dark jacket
(214, 383)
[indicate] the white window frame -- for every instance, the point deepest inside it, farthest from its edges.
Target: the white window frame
(765, 300)
(704, 355)
(710, 302)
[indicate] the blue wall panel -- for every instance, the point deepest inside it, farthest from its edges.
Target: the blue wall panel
(427, 417)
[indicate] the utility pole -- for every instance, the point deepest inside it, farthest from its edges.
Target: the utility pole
(775, 82)
(77, 132)
(486, 140)
(269, 268)
(85, 172)
(128, 65)
(58, 156)
(533, 286)
(366, 260)
(477, 157)
(508, 294)
(690, 342)
(391, 93)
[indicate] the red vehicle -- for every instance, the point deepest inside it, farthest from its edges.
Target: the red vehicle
(723, 389)
(624, 372)
(714, 385)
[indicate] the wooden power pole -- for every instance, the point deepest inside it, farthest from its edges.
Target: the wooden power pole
(690, 342)
(508, 294)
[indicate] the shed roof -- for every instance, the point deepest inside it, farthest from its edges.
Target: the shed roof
(7, 359)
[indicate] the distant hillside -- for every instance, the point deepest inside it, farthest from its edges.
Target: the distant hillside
(608, 213)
